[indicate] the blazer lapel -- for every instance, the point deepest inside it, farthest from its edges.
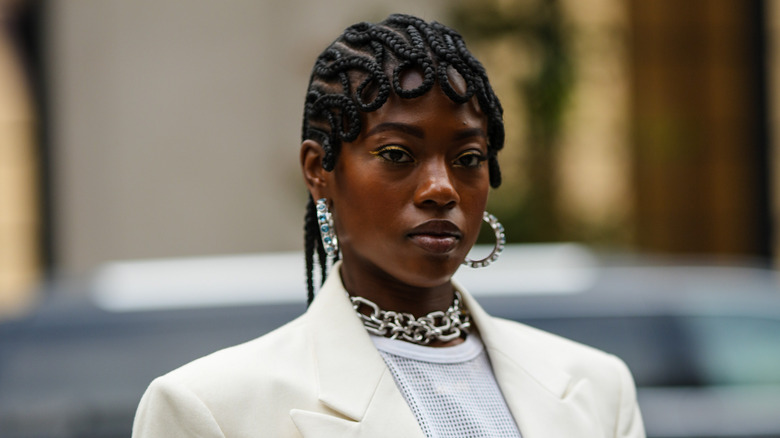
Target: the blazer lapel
(354, 382)
(361, 398)
(544, 400)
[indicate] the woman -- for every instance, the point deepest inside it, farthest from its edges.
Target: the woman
(400, 135)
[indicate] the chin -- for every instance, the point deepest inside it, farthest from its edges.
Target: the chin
(431, 273)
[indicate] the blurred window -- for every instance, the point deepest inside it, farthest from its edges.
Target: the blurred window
(682, 350)
(734, 350)
(653, 347)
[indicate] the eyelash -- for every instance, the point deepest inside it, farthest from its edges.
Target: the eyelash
(407, 158)
(384, 151)
(470, 155)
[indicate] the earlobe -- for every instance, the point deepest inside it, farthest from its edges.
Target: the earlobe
(311, 165)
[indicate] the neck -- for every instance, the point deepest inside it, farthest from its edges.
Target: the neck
(391, 294)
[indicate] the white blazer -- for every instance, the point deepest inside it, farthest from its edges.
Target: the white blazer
(321, 376)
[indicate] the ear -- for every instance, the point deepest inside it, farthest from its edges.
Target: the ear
(314, 175)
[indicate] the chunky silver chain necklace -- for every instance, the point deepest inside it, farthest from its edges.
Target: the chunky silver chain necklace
(435, 326)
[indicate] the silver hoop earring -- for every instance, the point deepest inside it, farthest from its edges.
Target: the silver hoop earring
(327, 232)
(500, 242)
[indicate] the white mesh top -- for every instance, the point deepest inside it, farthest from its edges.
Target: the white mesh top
(452, 391)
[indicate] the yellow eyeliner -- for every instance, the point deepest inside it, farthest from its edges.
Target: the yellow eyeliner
(388, 148)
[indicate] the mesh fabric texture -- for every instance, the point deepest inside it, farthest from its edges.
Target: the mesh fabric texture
(451, 391)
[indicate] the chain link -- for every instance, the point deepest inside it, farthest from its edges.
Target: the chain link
(438, 325)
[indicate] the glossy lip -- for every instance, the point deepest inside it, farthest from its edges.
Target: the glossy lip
(436, 236)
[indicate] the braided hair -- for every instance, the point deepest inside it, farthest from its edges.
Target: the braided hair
(357, 73)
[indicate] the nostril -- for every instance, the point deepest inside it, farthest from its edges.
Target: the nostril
(436, 186)
(435, 203)
(441, 195)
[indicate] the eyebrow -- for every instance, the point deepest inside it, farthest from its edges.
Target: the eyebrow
(393, 126)
(471, 132)
(417, 132)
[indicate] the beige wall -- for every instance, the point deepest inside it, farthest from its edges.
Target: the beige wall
(176, 124)
(595, 159)
(773, 64)
(19, 225)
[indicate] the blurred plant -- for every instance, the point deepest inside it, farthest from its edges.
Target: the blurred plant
(536, 35)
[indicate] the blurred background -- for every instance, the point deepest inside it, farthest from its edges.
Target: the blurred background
(155, 129)
(149, 160)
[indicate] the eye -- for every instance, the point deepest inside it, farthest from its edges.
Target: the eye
(469, 159)
(394, 154)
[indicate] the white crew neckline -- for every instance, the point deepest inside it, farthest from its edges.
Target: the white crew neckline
(467, 350)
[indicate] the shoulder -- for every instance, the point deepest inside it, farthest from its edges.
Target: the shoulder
(572, 357)
(555, 344)
(257, 355)
(580, 369)
(259, 376)
(276, 360)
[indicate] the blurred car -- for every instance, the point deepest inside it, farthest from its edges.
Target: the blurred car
(702, 340)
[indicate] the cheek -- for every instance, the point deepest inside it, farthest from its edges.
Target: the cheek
(474, 191)
(473, 203)
(361, 204)
(475, 222)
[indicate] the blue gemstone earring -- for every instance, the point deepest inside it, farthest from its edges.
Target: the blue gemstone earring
(327, 232)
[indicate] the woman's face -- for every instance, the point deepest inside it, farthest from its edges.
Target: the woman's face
(407, 196)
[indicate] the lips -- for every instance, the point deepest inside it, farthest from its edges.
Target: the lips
(436, 236)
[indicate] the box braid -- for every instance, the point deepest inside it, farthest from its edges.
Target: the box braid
(351, 76)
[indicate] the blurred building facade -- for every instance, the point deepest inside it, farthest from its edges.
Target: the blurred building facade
(176, 127)
(173, 130)
(561, 69)
(663, 142)
(701, 140)
(19, 172)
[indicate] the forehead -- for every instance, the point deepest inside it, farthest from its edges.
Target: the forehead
(433, 111)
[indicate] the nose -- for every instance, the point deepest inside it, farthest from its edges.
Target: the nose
(436, 187)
